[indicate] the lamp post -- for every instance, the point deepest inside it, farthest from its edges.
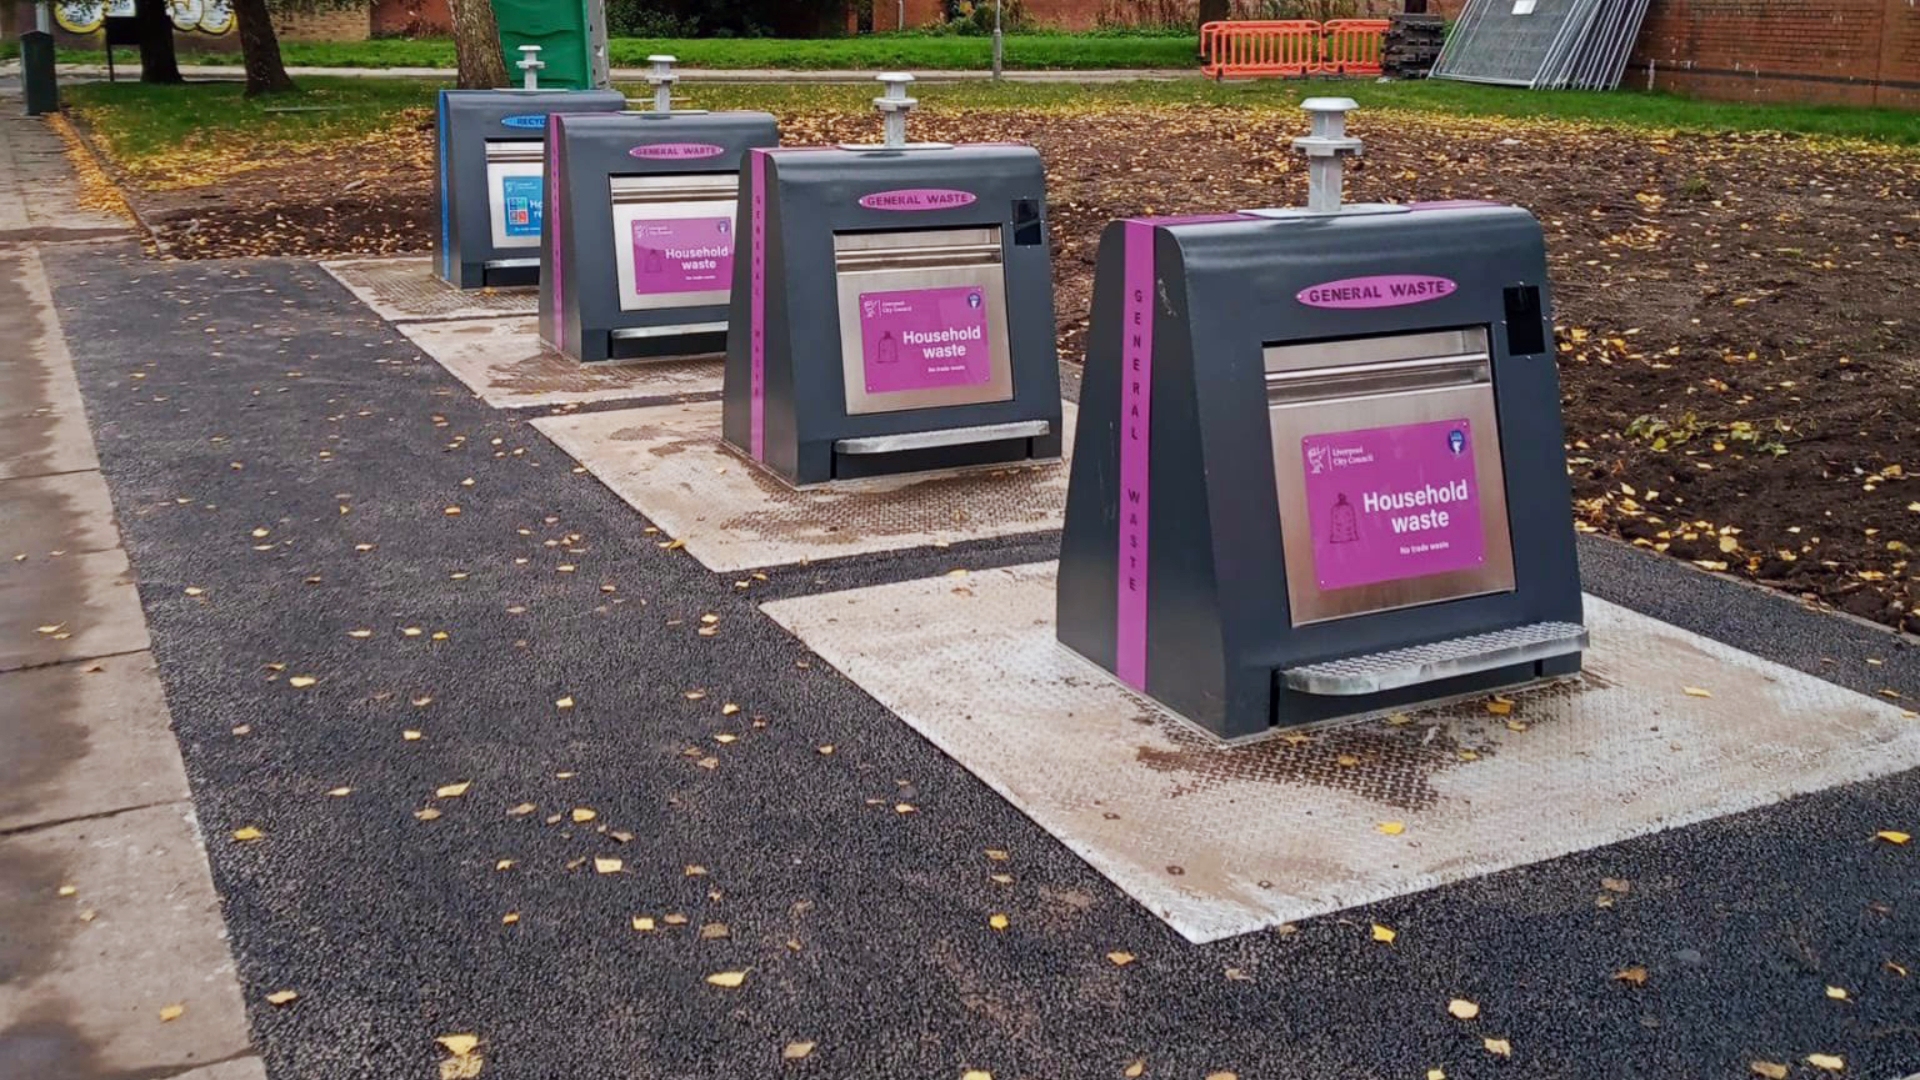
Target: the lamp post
(997, 45)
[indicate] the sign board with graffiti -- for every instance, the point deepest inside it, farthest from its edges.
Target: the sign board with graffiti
(212, 17)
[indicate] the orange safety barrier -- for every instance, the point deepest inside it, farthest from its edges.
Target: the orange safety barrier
(1354, 46)
(1292, 47)
(1267, 47)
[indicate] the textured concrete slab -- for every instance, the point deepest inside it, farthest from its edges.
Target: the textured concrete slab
(503, 361)
(1221, 840)
(84, 739)
(70, 608)
(246, 1068)
(68, 513)
(83, 977)
(43, 427)
(403, 289)
(36, 204)
(667, 462)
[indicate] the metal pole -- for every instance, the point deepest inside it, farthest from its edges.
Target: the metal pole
(997, 44)
(43, 17)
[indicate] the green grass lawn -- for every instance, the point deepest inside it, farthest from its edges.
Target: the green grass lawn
(925, 52)
(138, 121)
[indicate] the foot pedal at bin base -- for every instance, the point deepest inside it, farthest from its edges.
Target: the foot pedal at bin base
(1438, 660)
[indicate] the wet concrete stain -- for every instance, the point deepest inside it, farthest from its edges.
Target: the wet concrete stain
(41, 738)
(55, 235)
(43, 1045)
(26, 436)
(1393, 765)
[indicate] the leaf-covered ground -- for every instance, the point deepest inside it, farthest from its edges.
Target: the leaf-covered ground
(1737, 312)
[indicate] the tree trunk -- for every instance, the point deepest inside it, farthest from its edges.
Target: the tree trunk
(1213, 11)
(260, 49)
(157, 62)
(476, 40)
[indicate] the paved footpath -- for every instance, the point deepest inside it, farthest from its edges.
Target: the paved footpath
(110, 916)
(499, 793)
(11, 69)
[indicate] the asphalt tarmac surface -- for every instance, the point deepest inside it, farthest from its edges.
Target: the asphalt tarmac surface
(285, 467)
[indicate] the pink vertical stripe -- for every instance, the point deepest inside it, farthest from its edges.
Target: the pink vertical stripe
(551, 213)
(757, 334)
(1136, 399)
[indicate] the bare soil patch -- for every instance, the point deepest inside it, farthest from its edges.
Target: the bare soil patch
(1739, 315)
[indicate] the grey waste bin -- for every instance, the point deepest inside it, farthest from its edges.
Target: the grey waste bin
(42, 91)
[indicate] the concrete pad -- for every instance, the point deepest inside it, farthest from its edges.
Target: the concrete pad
(404, 289)
(503, 362)
(80, 993)
(668, 463)
(246, 1068)
(69, 513)
(1224, 840)
(43, 426)
(70, 608)
(84, 739)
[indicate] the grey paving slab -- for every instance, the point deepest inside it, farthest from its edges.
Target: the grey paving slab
(403, 289)
(67, 513)
(70, 608)
(36, 200)
(246, 1068)
(43, 427)
(1665, 728)
(84, 977)
(667, 462)
(85, 738)
(503, 362)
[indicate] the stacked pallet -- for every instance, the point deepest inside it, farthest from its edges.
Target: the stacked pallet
(1413, 43)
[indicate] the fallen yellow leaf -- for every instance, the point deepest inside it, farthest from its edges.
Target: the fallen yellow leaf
(1462, 1009)
(247, 833)
(997, 855)
(976, 1074)
(410, 735)
(282, 997)
(170, 1013)
(1223, 1075)
(1892, 836)
(510, 918)
(997, 921)
(1392, 828)
(1633, 976)
(427, 814)
(1120, 959)
(728, 979)
(453, 791)
(794, 1051)
(1499, 708)
(1134, 1068)
(1772, 1070)
(1837, 993)
(1384, 935)
(1436, 1074)
(459, 1045)
(522, 810)
(1695, 691)
(729, 709)
(564, 703)
(643, 923)
(340, 791)
(1498, 1047)
(582, 815)
(1829, 1062)
(301, 682)
(607, 866)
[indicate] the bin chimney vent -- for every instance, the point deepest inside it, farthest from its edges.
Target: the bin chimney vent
(662, 78)
(531, 64)
(894, 107)
(1326, 150)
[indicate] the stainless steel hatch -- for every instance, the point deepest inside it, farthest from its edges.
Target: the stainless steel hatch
(674, 238)
(923, 318)
(515, 191)
(1387, 464)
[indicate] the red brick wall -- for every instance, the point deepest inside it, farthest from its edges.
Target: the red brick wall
(1847, 52)
(393, 18)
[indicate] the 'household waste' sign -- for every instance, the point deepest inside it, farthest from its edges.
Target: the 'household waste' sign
(923, 339)
(1390, 503)
(676, 255)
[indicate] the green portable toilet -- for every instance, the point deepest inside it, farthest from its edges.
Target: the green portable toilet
(572, 35)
